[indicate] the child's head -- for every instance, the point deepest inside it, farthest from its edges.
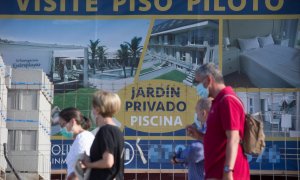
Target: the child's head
(202, 109)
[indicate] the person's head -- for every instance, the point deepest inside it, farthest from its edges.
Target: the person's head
(105, 105)
(202, 109)
(208, 78)
(73, 121)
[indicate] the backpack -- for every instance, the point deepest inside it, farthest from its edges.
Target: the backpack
(254, 136)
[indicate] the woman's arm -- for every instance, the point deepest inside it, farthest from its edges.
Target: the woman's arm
(106, 162)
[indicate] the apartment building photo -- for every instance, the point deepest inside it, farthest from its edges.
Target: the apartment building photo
(178, 46)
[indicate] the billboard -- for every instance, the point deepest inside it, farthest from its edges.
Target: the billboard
(147, 52)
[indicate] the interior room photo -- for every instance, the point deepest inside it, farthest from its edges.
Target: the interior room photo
(261, 53)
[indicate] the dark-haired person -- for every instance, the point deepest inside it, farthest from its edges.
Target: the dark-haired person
(75, 125)
(106, 155)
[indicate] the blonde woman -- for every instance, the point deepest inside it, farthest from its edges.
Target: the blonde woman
(106, 154)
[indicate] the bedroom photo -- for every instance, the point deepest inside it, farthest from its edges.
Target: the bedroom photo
(261, 53)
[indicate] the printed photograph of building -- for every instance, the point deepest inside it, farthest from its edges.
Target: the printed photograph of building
(177, 47)
(49, 57)
(78, 56)
(262, 53)
(76, 53)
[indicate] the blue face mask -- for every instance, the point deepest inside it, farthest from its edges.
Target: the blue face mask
(202, 91)
(203, 128)
(66, 133)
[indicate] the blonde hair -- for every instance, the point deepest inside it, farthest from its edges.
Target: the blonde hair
(106, 103)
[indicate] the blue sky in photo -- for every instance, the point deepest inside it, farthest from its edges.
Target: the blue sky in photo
(111, 33)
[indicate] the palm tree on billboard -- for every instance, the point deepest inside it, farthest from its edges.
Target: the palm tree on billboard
(123, 54)
(135, 50)
(93, 50)
(101, 53)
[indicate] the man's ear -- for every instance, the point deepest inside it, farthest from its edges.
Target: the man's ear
(209, 80)
(205, 114)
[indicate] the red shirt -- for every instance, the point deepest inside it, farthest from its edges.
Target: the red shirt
(225, 114)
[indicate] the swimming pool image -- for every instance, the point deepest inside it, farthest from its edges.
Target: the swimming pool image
(112, 74)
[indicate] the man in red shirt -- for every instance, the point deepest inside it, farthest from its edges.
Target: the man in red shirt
(224, 157)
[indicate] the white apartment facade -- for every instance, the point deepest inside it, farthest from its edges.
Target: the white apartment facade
(26, 129)
(4, 81)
